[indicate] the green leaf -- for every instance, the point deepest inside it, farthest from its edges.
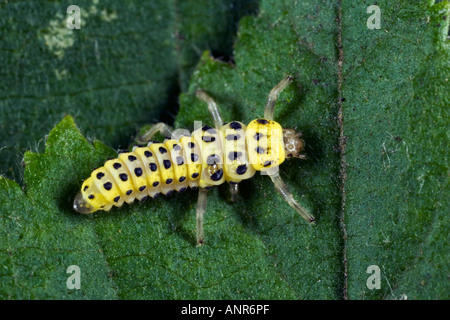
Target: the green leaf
(123, 69)
(397, 95)
(41, 237)
(372, 106)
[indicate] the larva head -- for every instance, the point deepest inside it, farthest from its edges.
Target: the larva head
(293, 144)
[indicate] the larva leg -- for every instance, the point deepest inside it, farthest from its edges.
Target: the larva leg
(201, 209)
(273, 96)
(212, 106)
(287, 195)
(234, 190)
(165, 130)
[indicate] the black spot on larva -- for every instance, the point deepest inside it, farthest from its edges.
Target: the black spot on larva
(100, 175)
(117, 165)
(194, 188)
(144, 198)
(153, 166)
(116, 199)
(156, 195)
(194, 175)
(182, 189)
(194, 157)
(241, 169)
(208, 187)
(148, 154)
(129, 192)
(91, 196)
(85, 188)
(209, 129)
(216, 176)
(233, 155)
(208, 139)
(260, 150)
(176, 147)
(123, 176)
(212, 159)
(191, 145)
(235, 125)
(169, 181)
(232, 182)
(258, 136)
(138, 172)
(162, 150)
(180, 160)
(182, 179)
(142, 188)
(231, 137)
(267, 163)
(131, 158)
(155, 184)
(107, 185)
(262, 121)
(169, 193)
(167, 164)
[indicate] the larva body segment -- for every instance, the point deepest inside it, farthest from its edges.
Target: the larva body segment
(132, 182)
(207, 158)
(211, 155)
(265, 144)
(150, 165)
(237, 164)
(164, 164)
(178, 164)
(191, 152)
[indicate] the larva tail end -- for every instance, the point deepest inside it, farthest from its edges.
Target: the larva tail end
(80, 205)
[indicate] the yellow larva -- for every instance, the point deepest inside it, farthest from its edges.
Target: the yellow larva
(231, 152)
(209, 157)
